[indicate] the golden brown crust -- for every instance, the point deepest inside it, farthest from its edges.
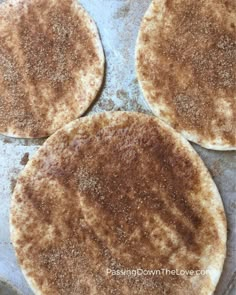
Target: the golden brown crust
(51, 65)
(117, 191)
(186, 63)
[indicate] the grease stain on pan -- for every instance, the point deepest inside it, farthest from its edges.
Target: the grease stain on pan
(24, 159)
(123, 11)
(21, 141)
(7, 289)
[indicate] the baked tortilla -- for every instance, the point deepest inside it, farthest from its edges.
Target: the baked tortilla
(186, 66)
(117, 191)
(51, 65)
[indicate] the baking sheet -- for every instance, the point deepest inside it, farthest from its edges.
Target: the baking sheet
(118, 22)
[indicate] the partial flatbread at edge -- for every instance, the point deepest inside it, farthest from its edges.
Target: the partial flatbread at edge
(186, 66)
(117, 191)
(51, 65)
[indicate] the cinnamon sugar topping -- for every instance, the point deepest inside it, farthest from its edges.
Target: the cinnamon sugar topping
(49, 55)
(191, 68)
(114, 192)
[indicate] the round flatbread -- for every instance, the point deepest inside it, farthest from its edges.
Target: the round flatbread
(186, 66)
(51, 65)
(112, 194)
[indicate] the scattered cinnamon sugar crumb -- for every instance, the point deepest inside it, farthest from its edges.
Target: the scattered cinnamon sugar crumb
(24, 159)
